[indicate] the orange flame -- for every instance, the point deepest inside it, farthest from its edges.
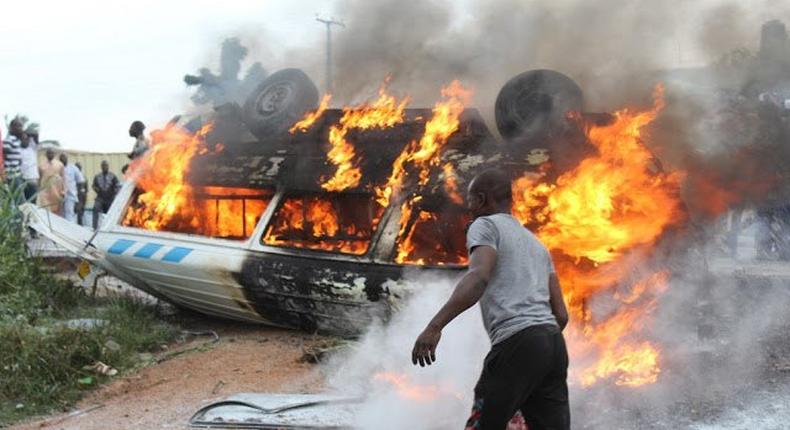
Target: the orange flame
(230, 212)
(417, 392)
(169, 202)
(311, 117)
(610, 202)
(385, 112)
(424, 156)
(315, 223)
(451, 184)
(600, 220)
(407, 246)
(166, 189)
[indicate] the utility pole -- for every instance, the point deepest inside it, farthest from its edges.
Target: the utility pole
(328, 88)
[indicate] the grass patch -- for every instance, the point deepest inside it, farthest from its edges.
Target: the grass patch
(44, 362)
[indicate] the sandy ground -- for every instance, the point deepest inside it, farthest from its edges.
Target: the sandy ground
(246, 359)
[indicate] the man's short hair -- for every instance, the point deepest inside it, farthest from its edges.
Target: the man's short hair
(138, 125)
(494, 183)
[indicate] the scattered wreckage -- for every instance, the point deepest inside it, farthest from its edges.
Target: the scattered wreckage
(273, 246)
(278, 411)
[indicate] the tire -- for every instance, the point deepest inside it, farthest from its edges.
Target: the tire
(534, 104)
(278, 102)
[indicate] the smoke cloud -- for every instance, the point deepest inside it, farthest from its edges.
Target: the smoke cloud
(441, 394)
(484, 43)
(617, 51)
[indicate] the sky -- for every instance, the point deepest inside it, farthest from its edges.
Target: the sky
(85, 69)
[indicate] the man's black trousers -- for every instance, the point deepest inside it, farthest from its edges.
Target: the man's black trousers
(527, 372)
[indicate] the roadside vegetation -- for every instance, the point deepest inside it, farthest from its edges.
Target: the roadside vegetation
(56, 341)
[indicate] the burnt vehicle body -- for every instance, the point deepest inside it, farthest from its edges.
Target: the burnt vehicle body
(265, 268)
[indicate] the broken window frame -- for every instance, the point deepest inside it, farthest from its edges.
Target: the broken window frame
(444, 240)
(129, 193)
(270, 193)
(286, 194)
(389, 239)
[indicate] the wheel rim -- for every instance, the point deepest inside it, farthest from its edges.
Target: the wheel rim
(273, 99)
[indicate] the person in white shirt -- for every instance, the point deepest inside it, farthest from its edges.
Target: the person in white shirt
(73, 177)
(30, 165)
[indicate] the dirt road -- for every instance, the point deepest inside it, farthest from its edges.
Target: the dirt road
(245, 359)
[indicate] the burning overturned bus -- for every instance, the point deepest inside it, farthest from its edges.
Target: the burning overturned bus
(287, 212)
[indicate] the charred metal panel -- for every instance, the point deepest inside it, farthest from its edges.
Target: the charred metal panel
(240, 170)
(320, 295)
(299, 161)
(315, 294)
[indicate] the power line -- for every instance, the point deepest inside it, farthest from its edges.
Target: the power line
(328, 87)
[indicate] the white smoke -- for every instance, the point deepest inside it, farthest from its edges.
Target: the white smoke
(704, 375)
(449, 381)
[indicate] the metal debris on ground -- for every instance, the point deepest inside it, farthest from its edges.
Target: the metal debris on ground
(277, 411)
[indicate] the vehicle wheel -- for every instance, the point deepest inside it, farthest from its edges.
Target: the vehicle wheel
(535, 103)
(278, 102)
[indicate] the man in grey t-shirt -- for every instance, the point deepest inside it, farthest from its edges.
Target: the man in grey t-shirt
(512, 276)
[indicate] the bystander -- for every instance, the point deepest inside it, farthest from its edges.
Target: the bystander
(82, 196)
(12, 153)
(106, 185)
(141, 143)
(29, 165)
(72, 177)
(51, 189)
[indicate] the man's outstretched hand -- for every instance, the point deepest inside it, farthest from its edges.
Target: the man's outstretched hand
(424, 351)
(468, 291)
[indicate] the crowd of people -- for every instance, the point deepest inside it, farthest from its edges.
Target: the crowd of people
(55, 183)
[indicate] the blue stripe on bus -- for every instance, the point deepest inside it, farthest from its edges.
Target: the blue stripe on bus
(176, 254)
(120, 246)
(148, 250)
